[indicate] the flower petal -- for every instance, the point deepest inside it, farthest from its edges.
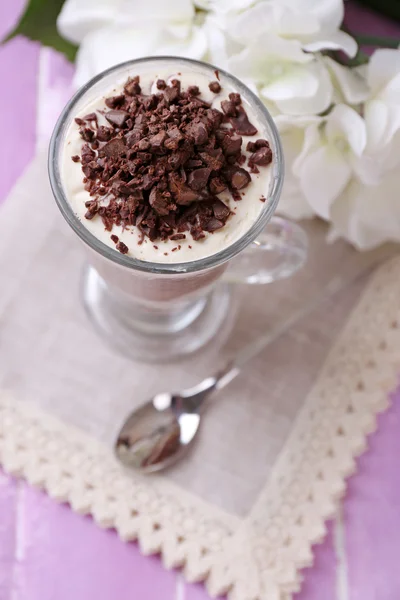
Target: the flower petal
(220, 46)
(315, 104)
(78, 18)
(292, 202)
(152, 12)
(287, 123)
(391, 92)
(111, 45)
(324, 175)
(336, 40)
(311, 141)
(351, 83)
(223, 6)
(383, 65)
(347, 123)
(253, 23)
(298, 82)
(264, 54)
(376, 115)
(329, 13)
(369, 169)
(270, 17)
(296, 24)
(368, 216)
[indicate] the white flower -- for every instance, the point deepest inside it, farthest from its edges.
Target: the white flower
(293, 202)
(315, 23)
(350, 85)
(111, 32)
(377, 86)
(382, 108)
(78, 18)
(220, 46)
(330, 157)
(295, 81)
(224, 6)
(368, 215)
(112, 45)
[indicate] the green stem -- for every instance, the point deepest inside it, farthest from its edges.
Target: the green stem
(377, 41)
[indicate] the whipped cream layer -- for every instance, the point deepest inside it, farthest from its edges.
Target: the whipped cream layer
(245, 211)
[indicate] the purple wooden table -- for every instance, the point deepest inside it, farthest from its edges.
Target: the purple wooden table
(49, 553)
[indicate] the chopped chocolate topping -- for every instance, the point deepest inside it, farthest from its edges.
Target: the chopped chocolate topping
(213, 224)
(115, 101)
(103, 133)
(90, 117)
(193, 90)
(213, 158)
(261, 144)
(171, 94)
(163, 160)
(158, 202)
(229, 108)
(132, 87)
(241, 123)
(237, 177)
(198, 132)
(215, 87)
(216, 73)
(235, 98)
(87, 134)
(262, 156)
(114, 148)
(92, 209)
(231, 144)
(216, 185)
(123, 248)
(116, 117)
(220, 210)
(197, 179)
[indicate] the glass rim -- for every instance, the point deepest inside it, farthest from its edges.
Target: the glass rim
(147, 266)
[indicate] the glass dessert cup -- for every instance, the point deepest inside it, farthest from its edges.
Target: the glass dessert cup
(163, 311)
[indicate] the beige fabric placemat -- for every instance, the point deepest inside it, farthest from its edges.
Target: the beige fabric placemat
(244, 508)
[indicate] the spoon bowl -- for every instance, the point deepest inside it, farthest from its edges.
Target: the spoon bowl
(159, 433)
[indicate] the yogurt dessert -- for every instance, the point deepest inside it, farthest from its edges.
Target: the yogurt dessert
(167, 167)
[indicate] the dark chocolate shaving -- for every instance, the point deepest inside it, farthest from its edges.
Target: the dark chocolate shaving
(262, 156)
(241, 123)
(114, 148)
(117, 117)
(215, 87)
(163, 160)
(237, 177)
(123, 248)
(198, 178)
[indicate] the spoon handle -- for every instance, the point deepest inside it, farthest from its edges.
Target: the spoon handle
(234, 366)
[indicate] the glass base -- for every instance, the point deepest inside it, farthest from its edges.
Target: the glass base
(154, 334)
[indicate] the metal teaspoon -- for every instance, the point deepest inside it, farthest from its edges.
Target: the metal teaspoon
(159, 433)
